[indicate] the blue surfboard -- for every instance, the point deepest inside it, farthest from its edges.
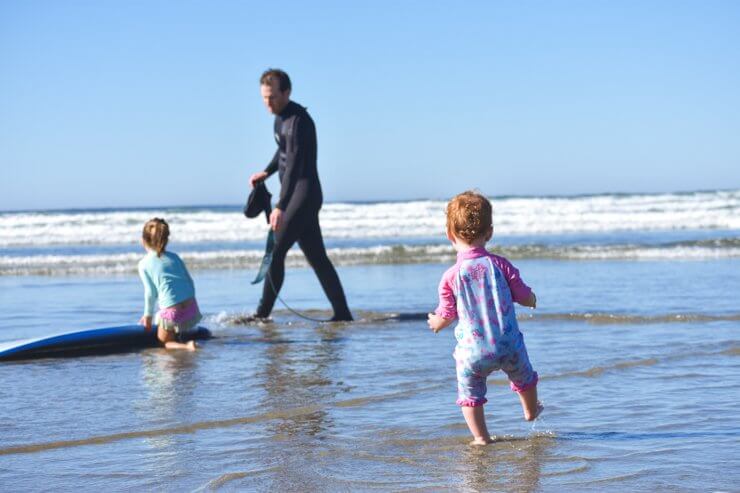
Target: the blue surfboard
(85, 342)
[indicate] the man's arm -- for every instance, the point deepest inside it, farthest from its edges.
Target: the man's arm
(273, 166)
(263, 175)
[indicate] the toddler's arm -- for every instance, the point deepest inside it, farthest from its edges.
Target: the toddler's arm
(447, 307)
(437, 323)
(520, 292)
(446, 311)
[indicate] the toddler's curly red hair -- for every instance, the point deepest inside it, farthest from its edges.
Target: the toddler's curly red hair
(469, 216)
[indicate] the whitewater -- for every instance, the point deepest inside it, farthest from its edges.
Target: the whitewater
(670, 226)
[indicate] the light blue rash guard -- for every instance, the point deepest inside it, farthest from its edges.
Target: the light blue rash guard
(166, 280)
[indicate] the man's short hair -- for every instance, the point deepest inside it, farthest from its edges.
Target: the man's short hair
(272, 74)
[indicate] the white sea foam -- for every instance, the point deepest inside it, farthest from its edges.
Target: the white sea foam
(423, 219)
(125, 263)
(107, 242)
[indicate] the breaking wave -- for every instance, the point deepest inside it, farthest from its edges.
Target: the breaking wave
(413, 219)
(677, 226)
(124, 263)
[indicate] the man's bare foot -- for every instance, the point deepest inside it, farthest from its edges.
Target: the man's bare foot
(252, 319)
(481, 441)
(537, 412)
(342, 317)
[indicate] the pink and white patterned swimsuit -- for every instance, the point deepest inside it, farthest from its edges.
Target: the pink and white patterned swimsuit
(480, 291)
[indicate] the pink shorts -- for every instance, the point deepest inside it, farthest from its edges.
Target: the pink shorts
(181, 318)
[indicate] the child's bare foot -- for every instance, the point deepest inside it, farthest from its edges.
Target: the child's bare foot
(481, 441)
(537, 412)
(188, 346)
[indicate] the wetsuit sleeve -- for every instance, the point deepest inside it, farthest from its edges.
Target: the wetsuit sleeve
(296, 144)
(447, 307)
(150, 291)
(273, 166)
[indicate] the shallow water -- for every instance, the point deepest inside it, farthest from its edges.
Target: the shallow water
(638, 363)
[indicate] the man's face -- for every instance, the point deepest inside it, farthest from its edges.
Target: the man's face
(274, 98)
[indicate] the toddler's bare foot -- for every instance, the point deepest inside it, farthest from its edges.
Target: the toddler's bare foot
(190, 346)
(537, 412)
(481, 441)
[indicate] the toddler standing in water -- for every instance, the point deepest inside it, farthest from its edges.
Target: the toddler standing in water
(479, 291)
(167, 281)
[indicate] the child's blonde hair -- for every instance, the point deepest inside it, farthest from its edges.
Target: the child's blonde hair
(156, 234)
(469, 216)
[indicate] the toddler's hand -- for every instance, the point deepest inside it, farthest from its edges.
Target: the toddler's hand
(146, 322)
(435, 322)
(531, 301)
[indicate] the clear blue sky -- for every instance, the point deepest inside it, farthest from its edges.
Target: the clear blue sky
(136, 103)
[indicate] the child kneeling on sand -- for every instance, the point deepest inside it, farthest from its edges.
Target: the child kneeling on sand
(166, 280)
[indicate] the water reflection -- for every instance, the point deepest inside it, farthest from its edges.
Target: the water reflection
(297, 372)
(169, 378)
(510, 464)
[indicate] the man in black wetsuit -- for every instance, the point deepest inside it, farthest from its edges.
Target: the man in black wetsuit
(296, 215)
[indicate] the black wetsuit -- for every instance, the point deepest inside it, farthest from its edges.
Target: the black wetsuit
(300, 200)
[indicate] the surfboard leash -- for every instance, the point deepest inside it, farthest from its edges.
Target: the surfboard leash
(294, 312)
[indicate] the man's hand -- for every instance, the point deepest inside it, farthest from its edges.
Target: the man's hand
(256, 178)
(276, 219)
(437, 323)
(146, 321)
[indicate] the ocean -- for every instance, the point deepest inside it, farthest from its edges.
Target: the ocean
(636, 339)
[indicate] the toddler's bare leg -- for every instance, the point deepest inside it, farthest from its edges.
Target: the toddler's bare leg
(476, 420)
(530, 405)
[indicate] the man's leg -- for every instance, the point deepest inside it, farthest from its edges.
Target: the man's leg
(312, 243)
(285, 237)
